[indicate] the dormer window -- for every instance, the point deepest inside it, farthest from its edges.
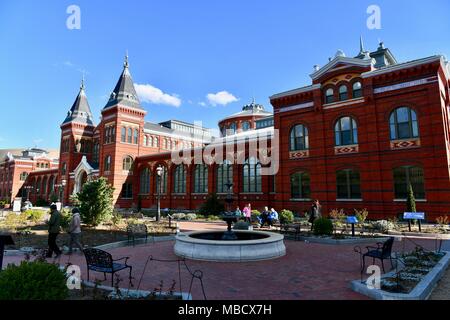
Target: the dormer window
(343, 93)
(357, 90)
(329, 96)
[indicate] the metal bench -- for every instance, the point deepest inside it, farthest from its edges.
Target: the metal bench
(382, 251)
(102, 261)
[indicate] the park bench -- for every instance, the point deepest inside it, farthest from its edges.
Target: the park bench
(102, 261)
(382, 251)
(137, 230)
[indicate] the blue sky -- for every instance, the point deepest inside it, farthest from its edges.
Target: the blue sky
(180, 51)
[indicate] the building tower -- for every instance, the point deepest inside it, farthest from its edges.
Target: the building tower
(76, 141)
(121, 131)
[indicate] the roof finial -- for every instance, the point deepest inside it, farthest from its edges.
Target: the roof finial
(361, 45)
(82, 82)
(125, 64)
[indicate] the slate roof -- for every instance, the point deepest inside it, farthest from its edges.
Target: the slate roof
(80, 112)
(251, 109)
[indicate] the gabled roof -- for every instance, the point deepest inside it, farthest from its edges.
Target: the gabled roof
(80, 112)
(124, 93)
(340, 58)
(252, 109)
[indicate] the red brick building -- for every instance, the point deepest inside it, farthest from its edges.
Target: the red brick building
(365, 129)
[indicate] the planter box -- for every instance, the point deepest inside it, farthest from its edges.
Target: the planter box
(421, 292)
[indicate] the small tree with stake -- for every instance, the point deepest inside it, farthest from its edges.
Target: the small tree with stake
(411, 204)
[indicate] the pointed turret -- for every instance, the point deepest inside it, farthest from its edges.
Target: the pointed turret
(80, 112)
(124, 93)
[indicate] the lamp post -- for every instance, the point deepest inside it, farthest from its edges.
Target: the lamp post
(28, 188)
(158, 192)
(63, 184)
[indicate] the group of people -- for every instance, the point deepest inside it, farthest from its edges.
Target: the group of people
(268, 217)
(54, 229)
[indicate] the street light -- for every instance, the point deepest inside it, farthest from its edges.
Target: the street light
(158, 192)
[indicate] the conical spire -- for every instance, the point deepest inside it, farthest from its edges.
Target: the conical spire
(80, 112)
(124, 92)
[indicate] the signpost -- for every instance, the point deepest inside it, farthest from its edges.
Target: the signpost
(352, 220)
(419, 216)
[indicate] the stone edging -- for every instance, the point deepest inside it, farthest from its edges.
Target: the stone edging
(341, 241)
(421, 292)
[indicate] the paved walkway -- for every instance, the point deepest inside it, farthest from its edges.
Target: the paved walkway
(308, 271)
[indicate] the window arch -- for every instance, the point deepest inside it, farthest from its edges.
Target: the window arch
(252, 175)
(357, 89)
(343, 92)
(127, 163)
(224, 175)
(300, 185)
(233, 128)
(329, 95)
(403, 124)
(107, 163)
(245, 126)
(179, 181)
(299, 139)
(136, 136)
(145, 140)
(346, 132)
(163, 180)
(348, 184)
(144, 181)
(409, 175)
(201, 178)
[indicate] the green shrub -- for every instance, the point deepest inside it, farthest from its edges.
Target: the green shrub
(2, 204)
(191, 216)
(213, 218)
(212, 206)
(41, 203)
(34, 280)
(286, 216)
(323, 226)
(410, 200)
(66, 217)
(96, 201)
(179, 216)
(241, 225)
(35, 215)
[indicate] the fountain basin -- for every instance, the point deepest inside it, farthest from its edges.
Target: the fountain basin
(249, 246)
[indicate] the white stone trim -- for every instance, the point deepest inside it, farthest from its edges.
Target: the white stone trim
(296, 107)
(344, 103)
(404, 85)
(296, 91)
(401, 66)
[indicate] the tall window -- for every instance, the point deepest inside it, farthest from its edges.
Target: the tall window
(156, 141)
(300, 185)
(245, 126)
(224, 175)
(107, 163)
(163, 180)
(299, 139)
(51, 185)
(95, 153)
(252, 175)
(145, 141)
(343, 93)
(179, 181)
(144, 181)
(233, 128)
(63, 169)
(136, 136)
(127, 190)
(123, 134)
(130, 135)
(403, 124)
(406, 175)
(348, 184)
(357, 90)
(127, 163)
(201, 178)
(346, 131)
(329, 96)
(44, 185)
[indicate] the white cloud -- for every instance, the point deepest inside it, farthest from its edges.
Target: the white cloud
(203, 104)
(222, 98)
(150, 94)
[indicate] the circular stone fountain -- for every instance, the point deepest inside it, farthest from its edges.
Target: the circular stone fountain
(229, 246)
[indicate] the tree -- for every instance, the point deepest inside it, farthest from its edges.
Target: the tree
(410, 200)
(96, 201)
(212, 206)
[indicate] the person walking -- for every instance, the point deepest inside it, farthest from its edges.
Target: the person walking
(54, 227)
(315, 212)
(75, 230)
(248, 213)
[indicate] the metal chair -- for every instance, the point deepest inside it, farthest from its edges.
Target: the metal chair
(102, 261)
(382, 251)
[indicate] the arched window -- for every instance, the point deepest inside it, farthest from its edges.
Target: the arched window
(224, 175)
(127, 163)
(245, 126)
(51, 185)
(299, 139)
(163, 180)
(123, 134)
(63, 169)
(403, 124)
(44, 186)
(165, 143)
(348, 184)
(130, 135)
(252, 175)
(300, 185)
(357, 90)
(201, 178)
(145, 141)
(156, 142)
(107, 163)
(151, 141)
(409, 175)
(329, 96)
(136, 136)
(346, 131)
(233, 128)
(343, 93)
(144, 181)
(96, 153)
(179, 181)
